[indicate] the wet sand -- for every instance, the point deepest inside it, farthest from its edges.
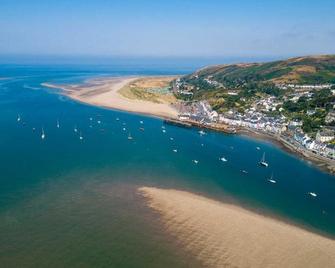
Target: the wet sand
(225, 235)
(105, 93)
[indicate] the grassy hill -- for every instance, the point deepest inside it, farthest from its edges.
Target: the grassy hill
(240, 85)
(301, 70)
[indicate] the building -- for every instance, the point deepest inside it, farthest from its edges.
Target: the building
(330, 117)
(325, 136)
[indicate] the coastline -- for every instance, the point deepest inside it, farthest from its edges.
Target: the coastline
(221, 234)
(106, 93)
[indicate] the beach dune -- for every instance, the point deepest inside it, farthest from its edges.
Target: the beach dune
(225, 235)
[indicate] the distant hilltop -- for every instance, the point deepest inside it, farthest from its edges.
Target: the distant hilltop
(299, 70)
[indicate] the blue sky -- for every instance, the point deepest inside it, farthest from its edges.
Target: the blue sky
(171, 28)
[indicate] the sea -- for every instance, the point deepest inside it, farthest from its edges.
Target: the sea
(71, 202)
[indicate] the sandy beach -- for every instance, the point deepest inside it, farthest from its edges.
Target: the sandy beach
(106, 93)
(225, 235)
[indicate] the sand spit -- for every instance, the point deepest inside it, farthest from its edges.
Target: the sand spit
(105, 93)
(224, 235)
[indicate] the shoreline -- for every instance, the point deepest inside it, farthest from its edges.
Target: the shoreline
(104, 92)
(222, 234)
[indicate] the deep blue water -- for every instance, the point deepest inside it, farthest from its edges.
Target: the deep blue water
(61, 185)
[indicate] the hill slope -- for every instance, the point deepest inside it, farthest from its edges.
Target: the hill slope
(301, 70)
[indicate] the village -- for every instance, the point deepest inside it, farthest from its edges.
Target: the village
(257, 119)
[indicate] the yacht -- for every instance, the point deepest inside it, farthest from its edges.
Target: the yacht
(258, 148)
(58, 124)
(195, 161)
(18, 118)
(171, 139)
(43, 134)
(141, 122)
(163, 130)
(80, 136)
(75, 129)
(175, 150)
(223, 159)
(130, 137)
(99, 122)
(271, 179)
(313, 194)
(263, 162)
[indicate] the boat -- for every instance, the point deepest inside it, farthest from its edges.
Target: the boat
(99, 122)
(18, 118)
(271, 179)
(258, 148)
(171, 139)
(130, 137)
(80, 136)
(124, 129)
(244, 171)
(142, 128)
(58, 126)
(91, 118)
(223, 159)
(263, 162)
(201, 132)
(117, 119)
(75, 129)
(313, 194)
(141, 122)
(163, 130)
(43, 134)
(195, 161)
(175, 150)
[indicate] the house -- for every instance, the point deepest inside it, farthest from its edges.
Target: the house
(330, 117)
(325, 136)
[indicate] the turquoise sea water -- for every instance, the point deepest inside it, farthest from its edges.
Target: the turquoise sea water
(73, 203)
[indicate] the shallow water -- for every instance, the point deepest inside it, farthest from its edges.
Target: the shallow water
(71, 202)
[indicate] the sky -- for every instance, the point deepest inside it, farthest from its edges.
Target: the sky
(171, 28)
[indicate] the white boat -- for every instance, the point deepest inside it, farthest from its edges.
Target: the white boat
(141, 122)
(130, 137)
(313, 194)
(171, 139)
(258, 148)
(163, 130)
(43, 134)
(75, 129)
(58, 126)
(195, 161)
(244, 171)
(117, 119)
(175, 150)
(18, 118)
(271, 179)
(80, 136)
(223, 159)
(263, 162)
(99, 122)
(201, 132)
(91, 118)
(163, 127)
(124, 129)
